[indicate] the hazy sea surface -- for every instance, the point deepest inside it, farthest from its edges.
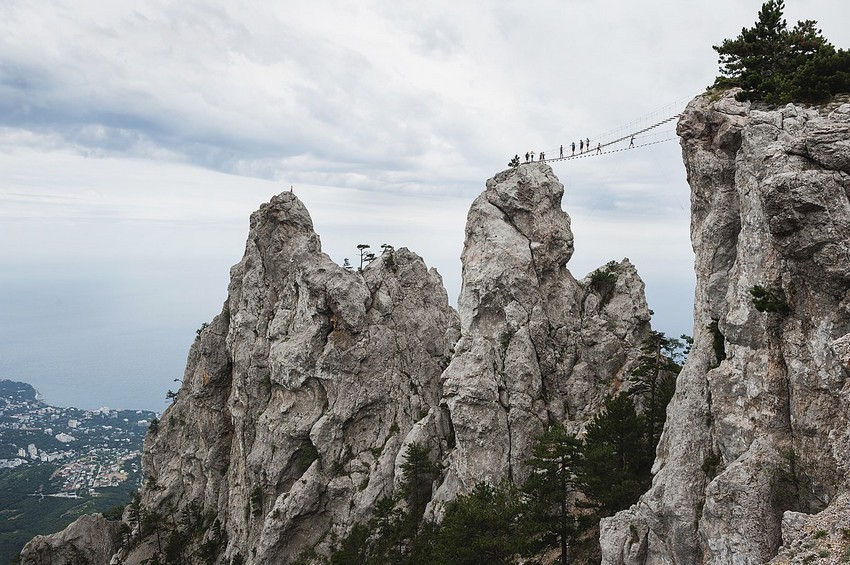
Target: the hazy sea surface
(89, 339)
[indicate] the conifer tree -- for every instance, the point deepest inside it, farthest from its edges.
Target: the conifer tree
(776, 65)
(551, 488)
(653, 381)
(483, 527)
(615, 469)
(418, 474)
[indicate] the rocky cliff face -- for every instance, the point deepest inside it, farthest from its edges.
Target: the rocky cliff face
(297, 397)
(90, 539)
(538, 347)
(301, 398)
(753, 462)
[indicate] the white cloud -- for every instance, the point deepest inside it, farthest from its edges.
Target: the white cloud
(387, 117)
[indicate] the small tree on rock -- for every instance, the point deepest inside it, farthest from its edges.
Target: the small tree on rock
(418, 474)
(365, 256)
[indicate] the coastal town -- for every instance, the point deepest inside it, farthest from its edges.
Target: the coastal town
(88, 449)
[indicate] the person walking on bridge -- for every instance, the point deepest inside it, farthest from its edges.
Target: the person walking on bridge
(562, 151)
(574, 147)
(581, 146)
(632, 142)
(598, 148)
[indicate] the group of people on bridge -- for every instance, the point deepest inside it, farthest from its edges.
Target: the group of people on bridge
(583, 147)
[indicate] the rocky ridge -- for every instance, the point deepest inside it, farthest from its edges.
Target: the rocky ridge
(752, 467)
(300, 399)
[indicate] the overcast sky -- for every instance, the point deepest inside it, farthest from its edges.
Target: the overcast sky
(137, 137)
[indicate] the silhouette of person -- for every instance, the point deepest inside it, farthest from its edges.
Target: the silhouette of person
(526, 156)
(562, 151)
(574, 147)
(632, 142)
(542, 156)
(532, 155)
(581, 146)
(598, 148)
(587, 143)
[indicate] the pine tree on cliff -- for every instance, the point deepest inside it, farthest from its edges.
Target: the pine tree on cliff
(776, 65)
(551, 489)
(653, 381)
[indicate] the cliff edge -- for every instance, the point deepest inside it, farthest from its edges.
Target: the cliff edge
(753, 465)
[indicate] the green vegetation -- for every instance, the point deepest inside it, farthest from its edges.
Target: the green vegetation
(23, 515)
(551, 489)
(777, 65)
(653, 380)
(572, 483)
(395, 533)
(365, 255)
(603, 281)
(388, 253)
(718, 341)
(489, 525)
(418, 474)
(514, 163)
(178, 533)
(769, 300)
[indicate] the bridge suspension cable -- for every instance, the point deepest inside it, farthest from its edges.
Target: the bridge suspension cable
(641, 132)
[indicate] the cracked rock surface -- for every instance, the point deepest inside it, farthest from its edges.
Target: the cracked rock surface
(300, 399)
(755, 448)
(537, 346)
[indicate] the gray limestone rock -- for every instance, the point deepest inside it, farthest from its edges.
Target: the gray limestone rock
(301, 398)
(298, 396)
(90, 539)
(537, 346)
(758, 425)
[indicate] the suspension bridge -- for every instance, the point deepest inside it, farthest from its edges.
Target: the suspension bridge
(644, 131)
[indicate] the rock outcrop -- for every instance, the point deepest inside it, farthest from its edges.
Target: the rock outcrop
(90, 539)
(538, 347)
(297, 397)
(301, 398)
(754, 453)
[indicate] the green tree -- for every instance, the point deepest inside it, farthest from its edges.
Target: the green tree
(653, 380)
(615, 469)
(353, 550)
(483, 527)
(551, 489)
(514, 163)
(418, 474)
(365, 255)
(395, 534)
(774, 64)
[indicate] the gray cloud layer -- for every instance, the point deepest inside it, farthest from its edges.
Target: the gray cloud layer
(143, 134)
